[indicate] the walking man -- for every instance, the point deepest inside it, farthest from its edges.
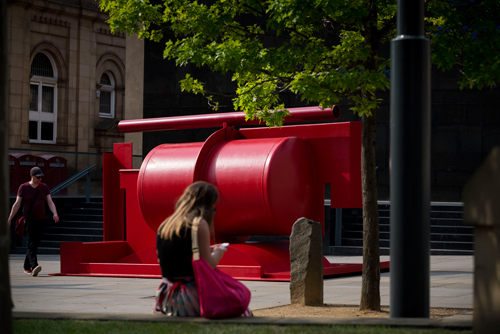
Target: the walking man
(37, 191)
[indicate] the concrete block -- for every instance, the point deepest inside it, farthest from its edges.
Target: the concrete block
(487, 279)
(482, 209)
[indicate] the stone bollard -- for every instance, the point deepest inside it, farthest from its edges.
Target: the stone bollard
(306, 263)
(481, 197)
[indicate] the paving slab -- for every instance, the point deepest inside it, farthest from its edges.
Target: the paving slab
(451, 284)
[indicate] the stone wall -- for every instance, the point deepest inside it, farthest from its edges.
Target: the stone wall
(74, 35)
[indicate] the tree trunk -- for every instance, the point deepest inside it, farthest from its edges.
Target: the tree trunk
(370, 286)
(5, 296)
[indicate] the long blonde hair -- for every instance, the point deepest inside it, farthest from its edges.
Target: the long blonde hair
(198, 200)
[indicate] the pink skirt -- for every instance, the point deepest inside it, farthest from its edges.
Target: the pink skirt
(180, 298)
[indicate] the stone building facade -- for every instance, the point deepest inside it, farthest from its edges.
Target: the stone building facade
(67, 76)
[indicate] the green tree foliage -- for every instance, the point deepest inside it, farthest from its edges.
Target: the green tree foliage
(323, 50)
(316, 49)
(465, 34)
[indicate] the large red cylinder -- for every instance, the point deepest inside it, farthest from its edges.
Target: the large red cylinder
(264, 185)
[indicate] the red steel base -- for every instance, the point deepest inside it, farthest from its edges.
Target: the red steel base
(252, 261)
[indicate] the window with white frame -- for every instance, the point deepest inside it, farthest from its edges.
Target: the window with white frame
(43, 103)
(107, 96)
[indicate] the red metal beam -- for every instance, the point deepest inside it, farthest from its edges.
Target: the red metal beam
(297, 115)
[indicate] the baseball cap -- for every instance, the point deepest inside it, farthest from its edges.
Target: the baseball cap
(36, 171)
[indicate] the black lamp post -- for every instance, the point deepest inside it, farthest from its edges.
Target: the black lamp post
(410, 164)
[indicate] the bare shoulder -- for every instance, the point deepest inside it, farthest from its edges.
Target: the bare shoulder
(203, 224)
(203, 228)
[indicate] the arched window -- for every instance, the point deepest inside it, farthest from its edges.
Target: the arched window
(107, 96)
(43, 103)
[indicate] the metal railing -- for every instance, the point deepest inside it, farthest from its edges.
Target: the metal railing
(76, 177)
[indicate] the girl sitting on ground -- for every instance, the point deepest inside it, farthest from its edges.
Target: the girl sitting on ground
(177, 294)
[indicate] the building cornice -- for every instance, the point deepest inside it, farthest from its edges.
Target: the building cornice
(87, 9)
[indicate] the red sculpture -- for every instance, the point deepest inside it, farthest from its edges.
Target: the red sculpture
(267, 178)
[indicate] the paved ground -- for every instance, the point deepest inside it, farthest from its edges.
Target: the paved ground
(451, 286)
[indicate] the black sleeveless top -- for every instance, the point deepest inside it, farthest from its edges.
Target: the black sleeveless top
(175, 255)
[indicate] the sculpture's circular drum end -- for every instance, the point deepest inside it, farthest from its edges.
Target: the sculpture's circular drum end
(336, 111)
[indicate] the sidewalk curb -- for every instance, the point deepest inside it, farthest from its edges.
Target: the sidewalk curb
(464, 322)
